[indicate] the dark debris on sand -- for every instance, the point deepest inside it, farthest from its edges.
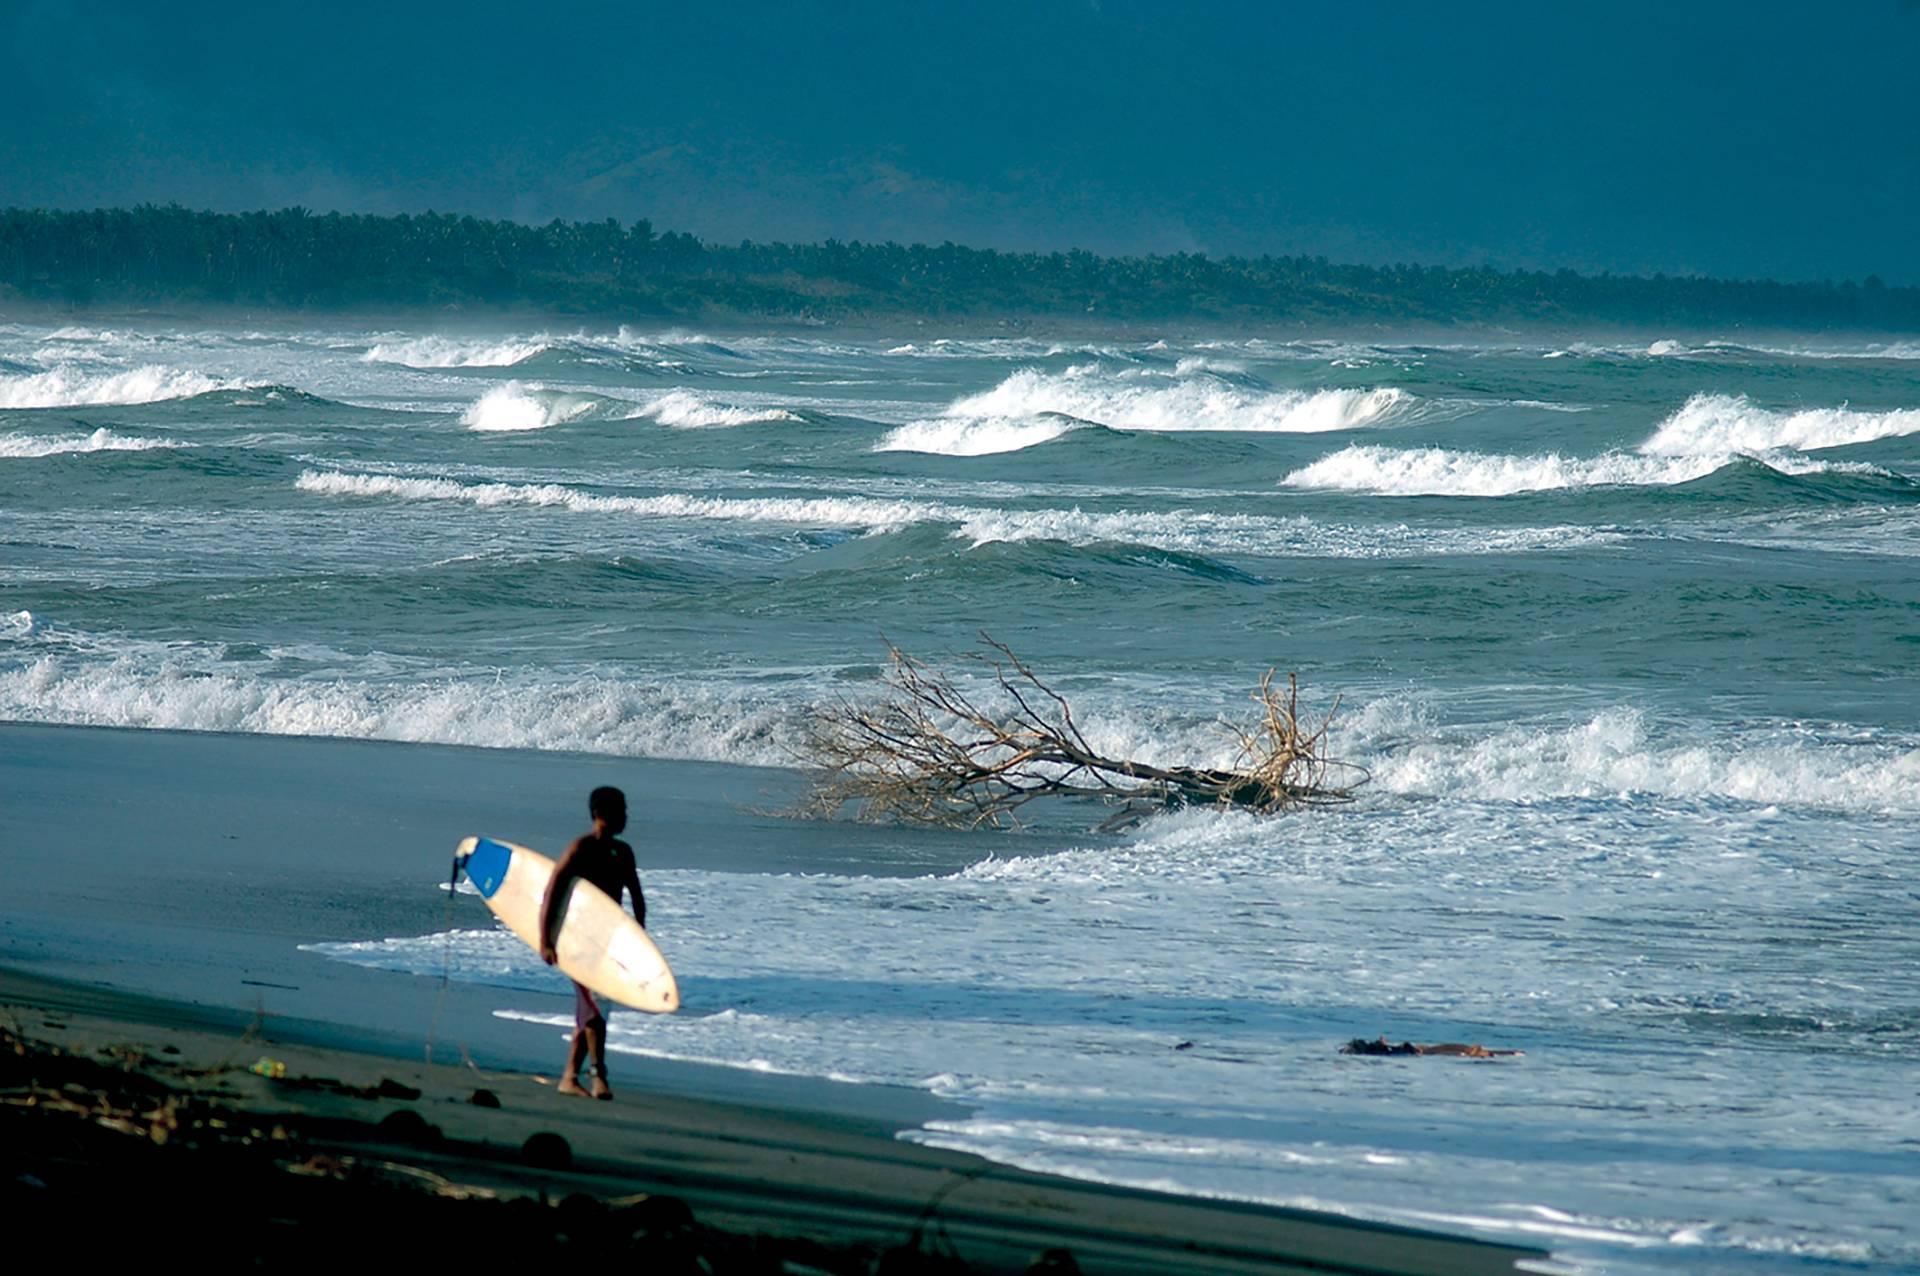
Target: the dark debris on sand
(123, 1157)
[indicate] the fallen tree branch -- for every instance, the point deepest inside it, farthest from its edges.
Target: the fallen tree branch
(929, 752)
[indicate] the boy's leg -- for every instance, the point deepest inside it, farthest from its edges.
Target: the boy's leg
(597, 1041)
(586, 1014)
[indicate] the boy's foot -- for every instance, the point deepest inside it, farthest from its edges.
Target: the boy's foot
(601, 1090)
(569, 1085)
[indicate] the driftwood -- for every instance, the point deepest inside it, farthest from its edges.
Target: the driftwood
(928, 752)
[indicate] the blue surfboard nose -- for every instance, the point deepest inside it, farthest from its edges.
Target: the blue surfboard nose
(487, 867)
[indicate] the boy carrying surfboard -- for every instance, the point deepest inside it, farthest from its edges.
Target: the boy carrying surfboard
(602, 858)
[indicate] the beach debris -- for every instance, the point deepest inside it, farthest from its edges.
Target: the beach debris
(547, 1150)
(928, 751)
(404, 1125)
(484, 1099)
(273, 1069)
(305, 1190)
(1452, 1049)
(391, 1089)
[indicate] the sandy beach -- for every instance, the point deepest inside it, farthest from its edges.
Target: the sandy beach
(160, 888)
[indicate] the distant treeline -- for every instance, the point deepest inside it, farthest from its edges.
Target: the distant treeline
(297, 259)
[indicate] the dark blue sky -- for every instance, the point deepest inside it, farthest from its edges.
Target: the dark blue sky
(1751, 138)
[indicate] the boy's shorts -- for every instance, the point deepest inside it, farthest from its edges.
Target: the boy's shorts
(585, 1009)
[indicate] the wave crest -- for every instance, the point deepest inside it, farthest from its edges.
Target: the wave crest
(514, 407)
(1433, 471)
(686, 410)
(26, 446)
(1613, 753)
(70, 387)
(1719, 424)
(1032, 406)
(851, 511)
(446, 352)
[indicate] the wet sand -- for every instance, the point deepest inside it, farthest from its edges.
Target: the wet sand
(838, 1190)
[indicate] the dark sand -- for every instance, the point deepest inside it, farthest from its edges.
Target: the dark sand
(158, 886)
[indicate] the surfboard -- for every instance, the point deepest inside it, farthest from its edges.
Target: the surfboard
(598, 944)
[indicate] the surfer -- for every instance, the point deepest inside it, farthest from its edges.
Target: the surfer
(1360, 1045)
(602, 858)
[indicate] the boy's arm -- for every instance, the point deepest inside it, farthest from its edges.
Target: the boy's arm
(633, 888)
(640, 900)
(550, 906)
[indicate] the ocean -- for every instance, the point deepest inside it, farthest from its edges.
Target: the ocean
(1624, 630)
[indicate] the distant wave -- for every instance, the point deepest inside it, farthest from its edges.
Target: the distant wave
(1669, 348)
(849, 511)
(1185, 399)
(686, 410)
(975, 436)
(1433, 471)
(23, 446)
(1032, 406)
(1190, 531)
(1708, 433)
(448, 352)
(514, 406)
(70, 387)
(1720, 424)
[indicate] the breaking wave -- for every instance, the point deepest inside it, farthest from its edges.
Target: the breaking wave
(1179, 531)
(1433, 471)
(686, 410)
(70, 387)
(975, 436)
(447, 352)
(513, 407)
(862, 512)
(516, 406)
(595, 715)
(1718, 424)
(1708, 433)
(1032, 406)
(1614, 753)
(21, 446)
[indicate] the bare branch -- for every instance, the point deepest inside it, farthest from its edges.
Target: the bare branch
(926, 752)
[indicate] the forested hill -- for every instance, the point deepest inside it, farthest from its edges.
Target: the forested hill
(297, 259)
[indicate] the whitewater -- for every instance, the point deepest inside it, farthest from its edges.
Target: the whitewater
(1624, 632)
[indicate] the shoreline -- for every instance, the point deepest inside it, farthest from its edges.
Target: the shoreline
(163, 883)
(761, 1174)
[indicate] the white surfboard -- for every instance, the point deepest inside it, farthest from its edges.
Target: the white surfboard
(598, 944)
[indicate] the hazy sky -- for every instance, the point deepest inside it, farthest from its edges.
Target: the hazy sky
(1748, 138)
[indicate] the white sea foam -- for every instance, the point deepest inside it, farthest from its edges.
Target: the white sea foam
(688, 410)
(678, 719)
(1718, 424)
(22, 446)
(803, 511)
(448, 352)
(1191, 531)
(514, 406)
(1203, 532)
(974, 436)
(67, 387)
(1187, 399)
(1032, 406)
(1615, 753)
(1709, 432)
(1433, 471)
